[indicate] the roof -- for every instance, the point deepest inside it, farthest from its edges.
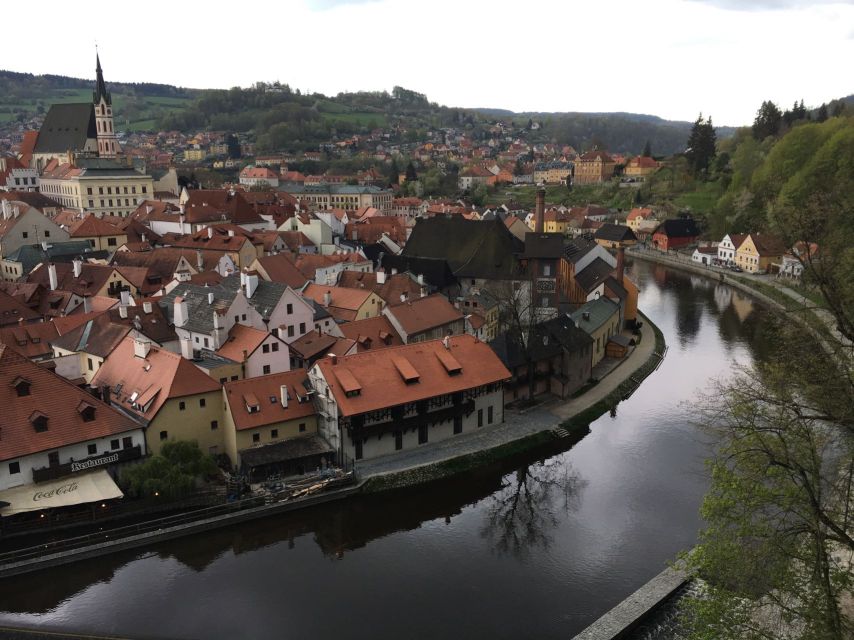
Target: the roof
(54, 397)
(678, 228)
(379, 382)
(593, 274)
(596, 154)
(290, 449)
(768, 245)
(281, 268)
(151, 381)
(340, 297)
(599, 310)
(422, 314)
(615, 233)
(66, 127)
(472, 249)
(209, 205)
(736, 239)
(97, 336)
(579, 247)
(390, 291)
(547, 340)
(30, 340)
(92, 278)
(639, 212)
(436, 271)
(371, 333)
(33, 198)
(543, 245)
(92, 226)
(242, 340)
(268, 391)
(313, 344)
(13, 310)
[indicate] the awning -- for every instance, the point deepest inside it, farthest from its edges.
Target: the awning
(284, 451)
(78, 489)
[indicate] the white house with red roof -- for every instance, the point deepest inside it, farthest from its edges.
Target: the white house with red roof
(259, 177)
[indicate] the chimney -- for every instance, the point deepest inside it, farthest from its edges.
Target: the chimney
(380, 276)
(51, 274)
(44, 245)
(620, 268)
(421, 279)
(146, 307)
(142, 237)
(251, 284)
(87, 303)
(446, 342)
(210, 232)
(141, 348)
(200, 262)
(540, 210)
(105, 393)
(77, 264)
(179, 313)
(186, 349)
(217, 324)
(394, 271)
(284, 393)
(585, 315)
(7, 210)
(210, 297)
(423, 291)
(327, 298)
(125, 298)
(333, 358)
(123, 311)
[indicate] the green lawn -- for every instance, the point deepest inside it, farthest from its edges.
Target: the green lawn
(139, 125)
(702, 200)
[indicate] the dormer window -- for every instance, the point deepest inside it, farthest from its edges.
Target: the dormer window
(22, 386)
(86, 411)
(251, 402)
(39, 421)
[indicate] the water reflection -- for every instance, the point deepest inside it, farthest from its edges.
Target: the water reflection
(522, 516)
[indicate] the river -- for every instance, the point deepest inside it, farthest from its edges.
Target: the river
(537, 547)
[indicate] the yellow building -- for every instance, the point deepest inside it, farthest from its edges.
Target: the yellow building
(100, 234)
(640, 167)
(758, 252)
(271, 426)
(168, 393)
(555, 221)
(101, 186)
(552, 172)
(194, 155)
(593, 167)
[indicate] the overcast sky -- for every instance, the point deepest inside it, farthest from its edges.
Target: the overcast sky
(671, 58)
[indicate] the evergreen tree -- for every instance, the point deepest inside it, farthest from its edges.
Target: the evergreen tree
(647, 150)
(411, 175)
(233, 145)
(822, 113)
(767, 122)
(701, 146)
(838, 108)
(394, 173)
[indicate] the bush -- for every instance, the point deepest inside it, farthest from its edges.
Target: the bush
(172, 473)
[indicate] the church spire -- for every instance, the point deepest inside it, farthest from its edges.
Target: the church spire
(100, 87)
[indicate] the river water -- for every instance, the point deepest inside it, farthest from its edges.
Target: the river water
(537, 547)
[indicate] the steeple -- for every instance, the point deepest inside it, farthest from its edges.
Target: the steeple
(100, 87)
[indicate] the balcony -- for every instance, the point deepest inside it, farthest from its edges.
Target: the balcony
(465, 408)
(87, 464)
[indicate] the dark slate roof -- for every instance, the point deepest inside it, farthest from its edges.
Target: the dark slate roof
(593, 274)
(576, 249)
(678, 228)
(599, 312)
(615, 233)
(31, 255)
(547, 340)
(66, 127)
(436, 271)
(543, 245)
(617, 287)
(291, 449)
(473, 249)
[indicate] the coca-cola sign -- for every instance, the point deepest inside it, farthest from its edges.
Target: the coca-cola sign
(56, 491)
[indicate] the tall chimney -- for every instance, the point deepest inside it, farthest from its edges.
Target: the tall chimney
(284, 394)
(620, 268)
(179, 313)
(77, 265)
(51, 274)
(540, 211)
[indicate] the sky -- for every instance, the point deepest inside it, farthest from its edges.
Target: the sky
(670, 58)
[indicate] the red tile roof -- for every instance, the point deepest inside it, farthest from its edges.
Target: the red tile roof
(242, 340)
(58, 400)
(281, 268)
(379, 382)
(94, 227)
(371, 333)
(423, 314)
(266, 391)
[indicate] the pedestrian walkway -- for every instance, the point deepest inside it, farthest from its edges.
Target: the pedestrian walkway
(517, 425)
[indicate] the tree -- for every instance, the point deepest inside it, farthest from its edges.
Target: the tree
(411, 175)
(821, 116)
(171, 473)
(393, 173)
(233, 145)
(647, 150)
(767, 121)
(701, 146)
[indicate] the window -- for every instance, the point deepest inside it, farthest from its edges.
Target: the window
(302, 328)
(25, 234)
(206, 343)
(480, 417)
(398, 440)
(233, 378)
(547, 269)
(275, 346)
(256, 437)
(47, 234)
(290, 308)
(489, 415)
(237, 318)
(274, 433)
(201, 402)
(144, 189)
(111, 242)
(89, 191)
(458, 424)
(214, 425)
(544, 302)
(92, 449)
(266, 369)
(301, 427)
(164, 435)
(100, 193)
(14, 467)
(243, 317)
(91, 204)
(223, 380)
(127, 442)
(265, 348)
(422, 434)
(133, 189)
(359, 452)
(290, 331)
(53, 459)
(182, 405)
(114, 444)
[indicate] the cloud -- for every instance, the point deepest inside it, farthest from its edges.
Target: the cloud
(326, 5)
(767, 5)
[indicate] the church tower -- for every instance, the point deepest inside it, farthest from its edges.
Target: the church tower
(108, 146)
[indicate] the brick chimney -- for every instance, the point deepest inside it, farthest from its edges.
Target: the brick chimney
(621, 266)
(540, 211)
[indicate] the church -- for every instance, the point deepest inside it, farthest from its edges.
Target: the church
(81, 129)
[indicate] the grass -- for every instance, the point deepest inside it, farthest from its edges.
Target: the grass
(139, 125)
(702, 199)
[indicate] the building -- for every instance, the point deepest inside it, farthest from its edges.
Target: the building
(615, 236)
(97, 185)
(100, 234)
(259, 177)
(705, 255)
(552, 172)
(584, 267)
(637, 216)
(758, 252)
(23, 225)
(425, 318)
(345, 304)
(593, 167)
(474, 176)
(54, 430)
(259, 352)
(600, 319)
(371, 333)
(167, 394)
(729, 246)
(271, 427)
(640, 167)
(378, 402)
(675, 233)
(341, 196)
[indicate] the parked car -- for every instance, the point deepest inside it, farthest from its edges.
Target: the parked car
(736, 268)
